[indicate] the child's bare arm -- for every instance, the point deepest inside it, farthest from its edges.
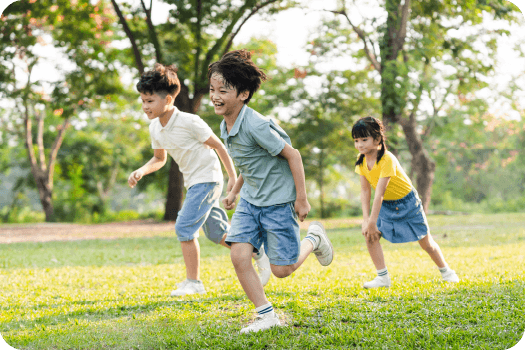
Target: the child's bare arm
(373, 232)
(302, 207)
(215, 143)
(154, 164)
(229, 201)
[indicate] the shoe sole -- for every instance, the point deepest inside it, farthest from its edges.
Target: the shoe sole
(181, 295)
(327, 239)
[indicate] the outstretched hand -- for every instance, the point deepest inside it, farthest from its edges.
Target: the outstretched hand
(134, 177)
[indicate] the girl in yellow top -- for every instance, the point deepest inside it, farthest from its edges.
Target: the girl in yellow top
(397, 213)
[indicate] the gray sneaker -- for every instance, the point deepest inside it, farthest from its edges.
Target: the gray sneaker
(324, 252)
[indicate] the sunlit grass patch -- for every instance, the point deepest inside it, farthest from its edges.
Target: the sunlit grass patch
(115, 295)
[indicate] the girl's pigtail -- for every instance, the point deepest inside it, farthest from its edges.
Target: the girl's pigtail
(360, 160)
(382, 151)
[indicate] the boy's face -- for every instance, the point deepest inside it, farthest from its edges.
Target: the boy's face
(224, 97)
(154, 105)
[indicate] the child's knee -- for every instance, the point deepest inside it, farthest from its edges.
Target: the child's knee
(281, 271)
(239, 257)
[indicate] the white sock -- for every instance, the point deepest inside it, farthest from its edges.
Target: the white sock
(443, 269)
(266, 309)
(382, 272)
(312, 239)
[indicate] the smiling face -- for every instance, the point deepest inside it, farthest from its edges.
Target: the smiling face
(367, 145)
(226, 101)
(154, 105)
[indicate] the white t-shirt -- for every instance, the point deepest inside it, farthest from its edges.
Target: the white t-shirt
(183, 139)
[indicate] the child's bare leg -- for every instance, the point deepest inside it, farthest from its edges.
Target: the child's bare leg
(376, 253)
(241, 255)
(432, 248)
(191, 254)
(223, 243)
(285, 271)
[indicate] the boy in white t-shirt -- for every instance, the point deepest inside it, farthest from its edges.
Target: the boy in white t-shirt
(190, 142)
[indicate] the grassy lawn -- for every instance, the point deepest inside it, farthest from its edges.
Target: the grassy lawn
(114, 294)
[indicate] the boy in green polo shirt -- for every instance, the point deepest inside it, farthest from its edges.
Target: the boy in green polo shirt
(271, 185)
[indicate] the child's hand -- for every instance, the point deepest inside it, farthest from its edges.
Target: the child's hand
(135, 177)
(231, 183)
(302, 208)
(364, 227)
(229, 201)
(372, 233)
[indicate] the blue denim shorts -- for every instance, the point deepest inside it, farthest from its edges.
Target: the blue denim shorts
(403, 220)
(201, 209)
(274, 226)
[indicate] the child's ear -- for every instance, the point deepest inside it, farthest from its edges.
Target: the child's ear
(244, 95)
(169, 99)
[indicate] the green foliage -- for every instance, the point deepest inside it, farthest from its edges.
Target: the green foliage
(102, 294)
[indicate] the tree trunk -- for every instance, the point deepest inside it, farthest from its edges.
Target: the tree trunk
(45, 194)
(175, 193)
(422, 165)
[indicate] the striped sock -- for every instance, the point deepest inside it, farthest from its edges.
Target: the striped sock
(265, 309)
(382, 272)
(314, 240)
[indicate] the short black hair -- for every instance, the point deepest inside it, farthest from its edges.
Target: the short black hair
(162, 80)
(239, 71)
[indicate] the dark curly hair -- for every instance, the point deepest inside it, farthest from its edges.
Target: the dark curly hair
(162, 80)
(370, 127)
(238, 70)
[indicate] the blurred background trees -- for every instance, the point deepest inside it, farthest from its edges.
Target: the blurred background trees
(69, 138)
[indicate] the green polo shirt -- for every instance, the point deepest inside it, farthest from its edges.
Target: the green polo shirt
(254, 144)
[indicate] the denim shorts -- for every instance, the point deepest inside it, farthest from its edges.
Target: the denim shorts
(403, 220)
(274, 226)
(201, 209)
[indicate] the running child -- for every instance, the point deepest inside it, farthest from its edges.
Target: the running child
(190, 141)
(271, 185)
(397, 213)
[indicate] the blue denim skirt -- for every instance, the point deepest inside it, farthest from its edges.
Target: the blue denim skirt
(403, 220)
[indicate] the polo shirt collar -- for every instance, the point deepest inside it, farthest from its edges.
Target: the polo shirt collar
(236, 125)
(172, 118)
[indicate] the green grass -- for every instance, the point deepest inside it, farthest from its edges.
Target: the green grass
(114, 294)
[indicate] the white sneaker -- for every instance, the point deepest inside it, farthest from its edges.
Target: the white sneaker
(187, 287)
(263, 267)
(324, 252)
(450, 276)
(262, 323)
(379, 281)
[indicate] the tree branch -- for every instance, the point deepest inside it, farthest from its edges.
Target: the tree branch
(252, 12)
(228, 31)
(401, 35)
(198, 39)
(28, 125)
(371, 55)
(131, 37)
(54, 151)
(40, 140)
(152, 33)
